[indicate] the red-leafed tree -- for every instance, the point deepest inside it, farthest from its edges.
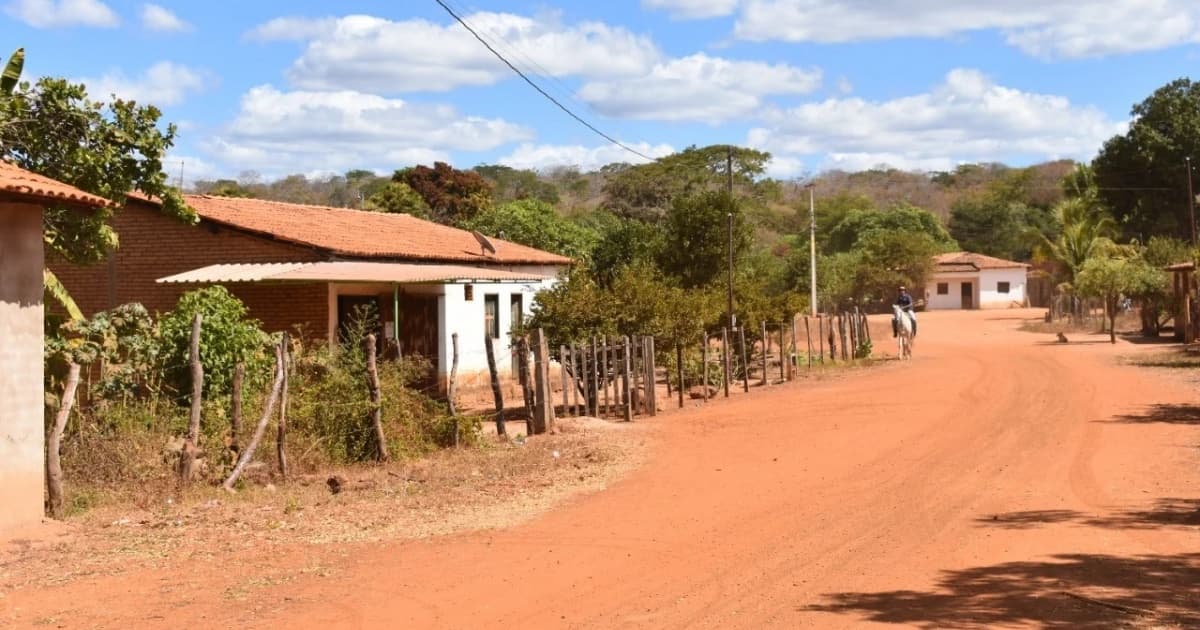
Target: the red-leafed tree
(453, 196)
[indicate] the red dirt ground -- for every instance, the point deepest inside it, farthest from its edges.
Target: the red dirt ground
(998, 480)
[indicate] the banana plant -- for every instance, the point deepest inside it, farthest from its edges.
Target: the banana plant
(12, 72)
(54, 291)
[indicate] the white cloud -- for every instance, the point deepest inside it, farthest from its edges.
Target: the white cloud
(279, 132)
(699, 88)
(59, 13)
(367, 53)
(693, 9)
(967, 118)
(156, 18)
(162, 84)
(543, 156)
(1045, 28)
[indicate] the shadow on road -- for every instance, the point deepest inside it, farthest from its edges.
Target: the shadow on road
(1078, 591)
(1164, 414)
(1169, 512)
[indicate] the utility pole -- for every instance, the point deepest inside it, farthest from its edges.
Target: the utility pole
(729, 221)
(1191, 199)
(812, 250)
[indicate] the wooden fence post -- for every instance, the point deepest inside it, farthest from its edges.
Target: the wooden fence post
(187, 456)
(586, 379)
(281, 428)
(452, 388)
(745, 362)
(235, 414)
(562, 378)
(527, 383)
(808, 335)
(766, 344)
(704, 363)
(821, 338)
(725, 358)
(832, 339)
(627, 401)
(576, 384)
(497, 394)
(784, 373)
(594, 395)
(268, 411)
(604, 371)
(651, 386)
(543, 402)
(635, 364)
(679, 371)
(376, 400)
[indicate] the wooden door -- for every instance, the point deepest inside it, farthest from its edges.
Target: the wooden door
(968, 296)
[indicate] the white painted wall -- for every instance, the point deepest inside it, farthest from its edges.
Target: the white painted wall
(953, 299)
(990, 296)
(467, 319)
(22, 442)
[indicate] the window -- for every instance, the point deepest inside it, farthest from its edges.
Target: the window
(943, 288)
(491, 315)
(1002, 287)
(516, 307)
(469, 292)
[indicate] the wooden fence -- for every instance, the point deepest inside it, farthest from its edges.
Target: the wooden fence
(622, 377)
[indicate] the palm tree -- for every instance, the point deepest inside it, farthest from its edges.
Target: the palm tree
(1085, 229)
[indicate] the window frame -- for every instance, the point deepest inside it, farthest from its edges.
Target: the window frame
(491, 321)
(943, 288)
(1004, 287)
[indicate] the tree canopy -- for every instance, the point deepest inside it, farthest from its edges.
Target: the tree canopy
(647, 190)
(536, 224)
(453, 195)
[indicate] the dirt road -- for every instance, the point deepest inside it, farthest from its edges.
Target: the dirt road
(999, 480)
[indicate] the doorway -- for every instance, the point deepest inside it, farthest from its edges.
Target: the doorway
(968, 296)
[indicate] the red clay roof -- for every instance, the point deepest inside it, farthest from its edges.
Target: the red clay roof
(361, 234)
(955, 261)
(18, 183)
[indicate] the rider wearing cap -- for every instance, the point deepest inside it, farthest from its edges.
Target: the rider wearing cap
(905, 302)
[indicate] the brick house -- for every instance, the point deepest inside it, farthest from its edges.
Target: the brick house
(302, 267)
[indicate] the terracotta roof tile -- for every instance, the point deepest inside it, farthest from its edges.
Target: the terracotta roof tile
(361, 234)
(18, 183)
(978, 261)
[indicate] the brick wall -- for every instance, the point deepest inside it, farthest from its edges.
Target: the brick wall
(153, 246)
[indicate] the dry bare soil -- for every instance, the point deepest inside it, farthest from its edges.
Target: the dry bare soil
(999, 480)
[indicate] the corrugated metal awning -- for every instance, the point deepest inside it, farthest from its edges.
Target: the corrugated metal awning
(346, 271)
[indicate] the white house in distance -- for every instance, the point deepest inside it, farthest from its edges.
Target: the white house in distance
(963, 280)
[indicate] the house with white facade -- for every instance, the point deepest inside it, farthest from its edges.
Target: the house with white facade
(964, 280)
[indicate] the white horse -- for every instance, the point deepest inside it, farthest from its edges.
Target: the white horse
(904, 332)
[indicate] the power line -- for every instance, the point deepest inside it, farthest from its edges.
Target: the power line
(539, 89)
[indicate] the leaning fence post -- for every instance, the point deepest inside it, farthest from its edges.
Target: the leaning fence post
(497, 394)
(268, 411)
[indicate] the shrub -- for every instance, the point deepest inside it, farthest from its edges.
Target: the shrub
(227, 337)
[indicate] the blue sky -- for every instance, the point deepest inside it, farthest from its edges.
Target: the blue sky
(318, 87)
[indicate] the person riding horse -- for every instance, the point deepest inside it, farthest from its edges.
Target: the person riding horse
(905, 302)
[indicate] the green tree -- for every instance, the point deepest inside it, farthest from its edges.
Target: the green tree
(696, 238)
(1109, 277)
(1141, 174)
(1156, 298)
(860, 224)
(888, 259)
(623, 242)
(648, 190)
(511, 184)
(52, 128)
(536, 224)
(398, 198)
(452, 195)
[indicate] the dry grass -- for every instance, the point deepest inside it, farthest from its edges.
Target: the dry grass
(1125, 322)
(494, 486)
